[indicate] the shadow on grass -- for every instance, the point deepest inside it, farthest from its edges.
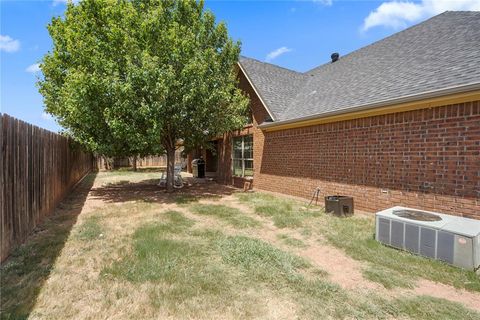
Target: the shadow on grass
(149, 191)
(24, 273)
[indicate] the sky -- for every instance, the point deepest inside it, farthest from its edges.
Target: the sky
(298, 35)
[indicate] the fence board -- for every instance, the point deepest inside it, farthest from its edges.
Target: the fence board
(145, 162)
(38, 168)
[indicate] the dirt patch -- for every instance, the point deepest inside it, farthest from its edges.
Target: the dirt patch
(440, 290)
(342, 269)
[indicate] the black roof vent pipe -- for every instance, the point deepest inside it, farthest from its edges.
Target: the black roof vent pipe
(335, 56)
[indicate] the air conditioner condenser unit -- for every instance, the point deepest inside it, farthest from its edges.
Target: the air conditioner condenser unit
(455, 240)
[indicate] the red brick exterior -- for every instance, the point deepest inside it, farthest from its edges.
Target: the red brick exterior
(427, 159)
(224, 151)
(224, 172)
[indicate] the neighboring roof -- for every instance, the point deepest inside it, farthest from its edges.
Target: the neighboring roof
(440, 53)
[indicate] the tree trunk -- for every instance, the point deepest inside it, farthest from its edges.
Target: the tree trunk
(134, 162)
(106, 163)
(111, 163)
(170, 167)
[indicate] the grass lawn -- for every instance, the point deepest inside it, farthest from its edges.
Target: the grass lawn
(209, 252)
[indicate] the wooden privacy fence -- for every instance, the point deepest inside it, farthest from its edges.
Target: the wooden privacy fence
(144, 162)
(148, 161)
(159, 161)
(38, 168)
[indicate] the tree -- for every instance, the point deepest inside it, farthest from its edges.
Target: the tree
(144, 73)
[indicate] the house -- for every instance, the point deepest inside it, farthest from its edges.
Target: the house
(394, 123)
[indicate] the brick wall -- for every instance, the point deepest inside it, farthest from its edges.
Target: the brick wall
(224, 172)
(427, 159)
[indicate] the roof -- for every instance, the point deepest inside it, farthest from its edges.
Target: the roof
(277, 86)
(438, 54)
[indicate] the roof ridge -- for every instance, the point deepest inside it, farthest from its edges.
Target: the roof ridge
(395, 34)
(273, 65)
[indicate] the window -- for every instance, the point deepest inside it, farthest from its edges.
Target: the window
(243, 156)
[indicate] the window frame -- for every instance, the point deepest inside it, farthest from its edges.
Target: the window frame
(242, 159)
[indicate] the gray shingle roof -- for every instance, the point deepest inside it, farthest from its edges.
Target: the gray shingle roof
(439, 53)
(277, 86)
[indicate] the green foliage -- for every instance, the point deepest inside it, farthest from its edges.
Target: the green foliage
(134, 77)
(232, 215)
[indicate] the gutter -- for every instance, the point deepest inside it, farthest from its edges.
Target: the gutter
(384, 103)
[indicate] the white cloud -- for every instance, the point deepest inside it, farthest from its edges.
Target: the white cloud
(46, 116)
(398, 14)
(393, 14)
(8, 44)
(276, 53)
(34, 68)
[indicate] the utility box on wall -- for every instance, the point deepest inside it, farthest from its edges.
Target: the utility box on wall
(339, 205)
